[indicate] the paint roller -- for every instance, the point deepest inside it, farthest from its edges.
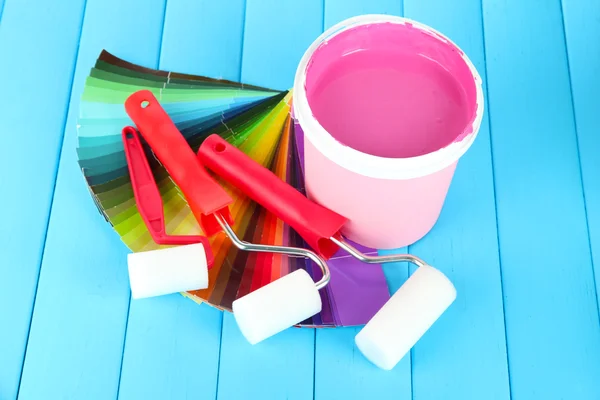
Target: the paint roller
(385, 339)
(164, 271)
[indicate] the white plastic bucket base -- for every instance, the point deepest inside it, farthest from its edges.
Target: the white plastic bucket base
(277, 306)
(166, 271)
(405, 318)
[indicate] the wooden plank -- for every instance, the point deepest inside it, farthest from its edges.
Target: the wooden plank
(171, 350)
(78, 326)
(280, 367)
(550, 302)
(275, 37)
(582, 28)
(341, 371)
(277, 34)
(204, 38)
(37, 69)
(172, 344)
(464, 245)
(339, 10)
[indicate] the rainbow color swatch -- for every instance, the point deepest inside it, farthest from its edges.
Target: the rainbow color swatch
(256, 120)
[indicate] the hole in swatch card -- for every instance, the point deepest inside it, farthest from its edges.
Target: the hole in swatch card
(391, 90)
(144, 104)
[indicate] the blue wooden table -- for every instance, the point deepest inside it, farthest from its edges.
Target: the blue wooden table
(519, 234)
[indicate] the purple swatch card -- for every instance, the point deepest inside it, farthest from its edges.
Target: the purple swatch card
(359, 290)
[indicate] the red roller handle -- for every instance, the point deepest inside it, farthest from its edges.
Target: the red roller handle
(147, 196)
(315, 223)
(204, 196)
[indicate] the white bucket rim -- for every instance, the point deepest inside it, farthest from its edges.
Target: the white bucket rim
(367, 164)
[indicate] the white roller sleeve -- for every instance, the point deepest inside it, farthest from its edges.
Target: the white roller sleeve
(406, 316)
(166, 271)
(277, 306)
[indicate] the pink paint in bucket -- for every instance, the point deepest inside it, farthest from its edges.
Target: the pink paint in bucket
(387, 106)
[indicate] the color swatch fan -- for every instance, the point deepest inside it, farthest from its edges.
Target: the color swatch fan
(254, 119)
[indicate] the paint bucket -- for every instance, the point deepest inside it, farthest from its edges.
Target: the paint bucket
(387, 106)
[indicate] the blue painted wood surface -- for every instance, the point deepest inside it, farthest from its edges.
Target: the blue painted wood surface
(519, 234)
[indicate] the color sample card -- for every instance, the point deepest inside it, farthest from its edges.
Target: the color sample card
(254, 119)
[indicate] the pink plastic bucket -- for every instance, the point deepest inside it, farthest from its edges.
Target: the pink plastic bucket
(387, 106)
